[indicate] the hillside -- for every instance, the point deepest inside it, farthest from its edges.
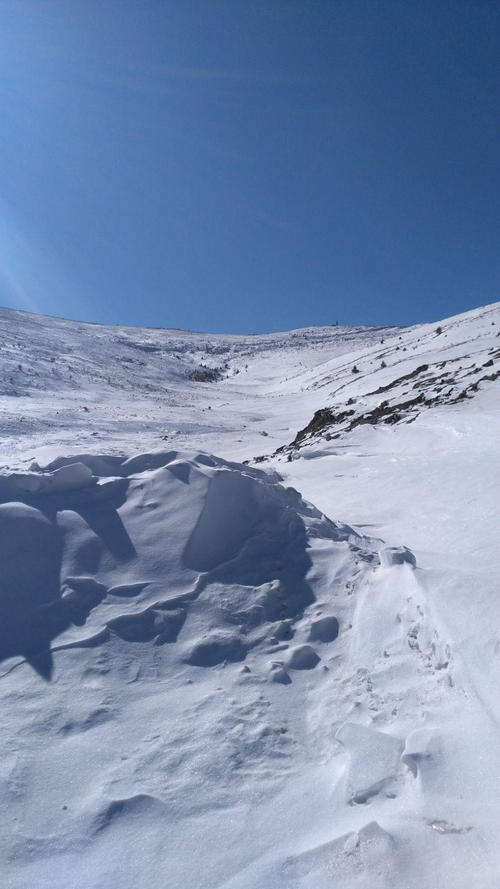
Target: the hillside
(275, 673)
(64, 382)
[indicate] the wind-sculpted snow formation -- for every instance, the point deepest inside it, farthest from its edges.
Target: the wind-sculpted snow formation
(205, 681)
(159, 546)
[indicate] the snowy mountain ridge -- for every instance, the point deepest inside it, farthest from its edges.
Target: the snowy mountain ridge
(206, 680)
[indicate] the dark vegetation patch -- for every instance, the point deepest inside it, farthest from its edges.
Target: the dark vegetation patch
(141, 347)
(386, 412)
(204, 374)
(408, 376)
(322, 419)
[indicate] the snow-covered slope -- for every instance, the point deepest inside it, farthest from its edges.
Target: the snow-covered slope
(63, 382)
(402, 377)
(206, 680)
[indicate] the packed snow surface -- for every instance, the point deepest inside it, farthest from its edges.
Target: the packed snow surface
(207, 681)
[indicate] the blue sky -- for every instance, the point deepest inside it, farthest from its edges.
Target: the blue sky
(249, 165)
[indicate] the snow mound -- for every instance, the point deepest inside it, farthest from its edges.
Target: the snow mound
(156, 547)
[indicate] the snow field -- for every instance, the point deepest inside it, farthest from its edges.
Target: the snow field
(205, 679)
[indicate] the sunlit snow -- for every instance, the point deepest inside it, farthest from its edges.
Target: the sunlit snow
(249, 631)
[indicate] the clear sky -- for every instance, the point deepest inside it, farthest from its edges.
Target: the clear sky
(249, 165)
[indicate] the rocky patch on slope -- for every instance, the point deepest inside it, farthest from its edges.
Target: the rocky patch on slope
(403, 397)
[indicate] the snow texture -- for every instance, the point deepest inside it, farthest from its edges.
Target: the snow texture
(206, 680)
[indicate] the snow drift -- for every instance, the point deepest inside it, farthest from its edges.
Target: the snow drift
(134, 548)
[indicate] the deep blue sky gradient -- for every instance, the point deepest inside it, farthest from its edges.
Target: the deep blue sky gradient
(249, 165)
